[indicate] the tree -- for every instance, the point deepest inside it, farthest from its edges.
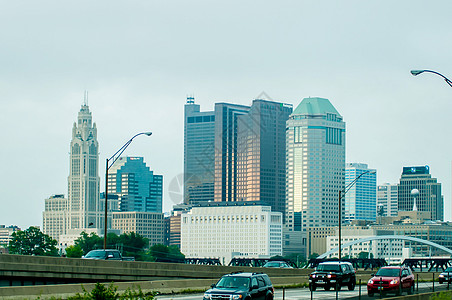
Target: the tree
(89, 242)
(74, 251)
(364, 254)
(32, 242)
(133, 245)
(161, 252)
(313, 256)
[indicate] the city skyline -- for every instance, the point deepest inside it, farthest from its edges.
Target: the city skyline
(139, 71)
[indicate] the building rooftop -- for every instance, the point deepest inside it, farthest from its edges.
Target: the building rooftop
(315, 106)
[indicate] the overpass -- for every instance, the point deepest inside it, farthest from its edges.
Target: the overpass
(21, 270)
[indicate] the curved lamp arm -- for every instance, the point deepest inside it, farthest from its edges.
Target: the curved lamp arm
(417, 72)
(118, 153)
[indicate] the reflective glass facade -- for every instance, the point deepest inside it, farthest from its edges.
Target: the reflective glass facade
(137, 187)
(360, 202)
(261, 154)
(199, 153)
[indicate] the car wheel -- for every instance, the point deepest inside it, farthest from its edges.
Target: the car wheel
(269, 297)
(370, 294)
(338, 287)
(327, 287)
(312, 287)
(399, 290)
(410, 290)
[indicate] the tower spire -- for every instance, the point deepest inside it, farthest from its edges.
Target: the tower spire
(85, 99)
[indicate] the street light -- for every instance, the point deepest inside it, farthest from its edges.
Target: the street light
(417, 72)
(108, 165)
(342, 194)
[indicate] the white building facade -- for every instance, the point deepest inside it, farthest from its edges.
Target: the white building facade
(227, 231)
(54, 217)
(387, 200)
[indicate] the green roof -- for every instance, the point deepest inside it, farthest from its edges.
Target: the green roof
(315, 106)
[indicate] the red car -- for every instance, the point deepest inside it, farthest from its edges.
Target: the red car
(392, 279)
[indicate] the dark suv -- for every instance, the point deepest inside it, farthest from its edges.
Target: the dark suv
(241, 286)
(333, 274)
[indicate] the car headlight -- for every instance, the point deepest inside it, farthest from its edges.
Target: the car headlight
(236, 297)
(370, 281)
(441, 275)
(207, 296)
(394, 281)
(313, 276)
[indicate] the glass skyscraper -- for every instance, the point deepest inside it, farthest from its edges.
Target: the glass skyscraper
(137, 187)
(360, 202)
(199, 153)
(83, 180)
(261, 154)
(429, 199)
(235, 153)
(226, 143)
(315, 162)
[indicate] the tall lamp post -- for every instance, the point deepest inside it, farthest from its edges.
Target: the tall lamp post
(109, 163)
(417, 72)
(341, 195)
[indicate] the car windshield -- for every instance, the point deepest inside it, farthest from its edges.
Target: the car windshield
(272, 265)
(233, 282)
(95, 253)
(328, 268)
(388, 272)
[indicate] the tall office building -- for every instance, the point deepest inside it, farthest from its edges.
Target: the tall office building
(137, 187)
(261, 154)
(83, 180)
(360, 201)
(315, 162)
(199, 153)
(226, 131)
(429, 199)
(387, 200)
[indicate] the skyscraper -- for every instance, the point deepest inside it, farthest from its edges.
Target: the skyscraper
(315, 163)
(137, 187)
(226, 131)
(199, 153)
(360, 202)
(83, 180)
(261, 154)
(429, 199)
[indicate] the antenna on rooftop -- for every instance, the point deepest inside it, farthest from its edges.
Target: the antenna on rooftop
(85, 99)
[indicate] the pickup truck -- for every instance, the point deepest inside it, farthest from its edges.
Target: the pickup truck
(107, 254)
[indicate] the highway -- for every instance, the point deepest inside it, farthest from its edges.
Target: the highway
(304, 293)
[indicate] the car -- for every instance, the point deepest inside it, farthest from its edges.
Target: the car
(277, 264)
(104, 254)
(241, 286)
(334, 274)
(445, 276)
(391, 279)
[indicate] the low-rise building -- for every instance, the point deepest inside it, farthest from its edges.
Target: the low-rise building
(5, 234)
(148, 224)
(226, 230)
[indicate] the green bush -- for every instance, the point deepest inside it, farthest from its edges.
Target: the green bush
(442, 296)
(102, 292)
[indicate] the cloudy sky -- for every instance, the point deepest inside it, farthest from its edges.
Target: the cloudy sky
(140, 59)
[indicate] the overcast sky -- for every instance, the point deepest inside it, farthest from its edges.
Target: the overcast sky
(140, 59)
